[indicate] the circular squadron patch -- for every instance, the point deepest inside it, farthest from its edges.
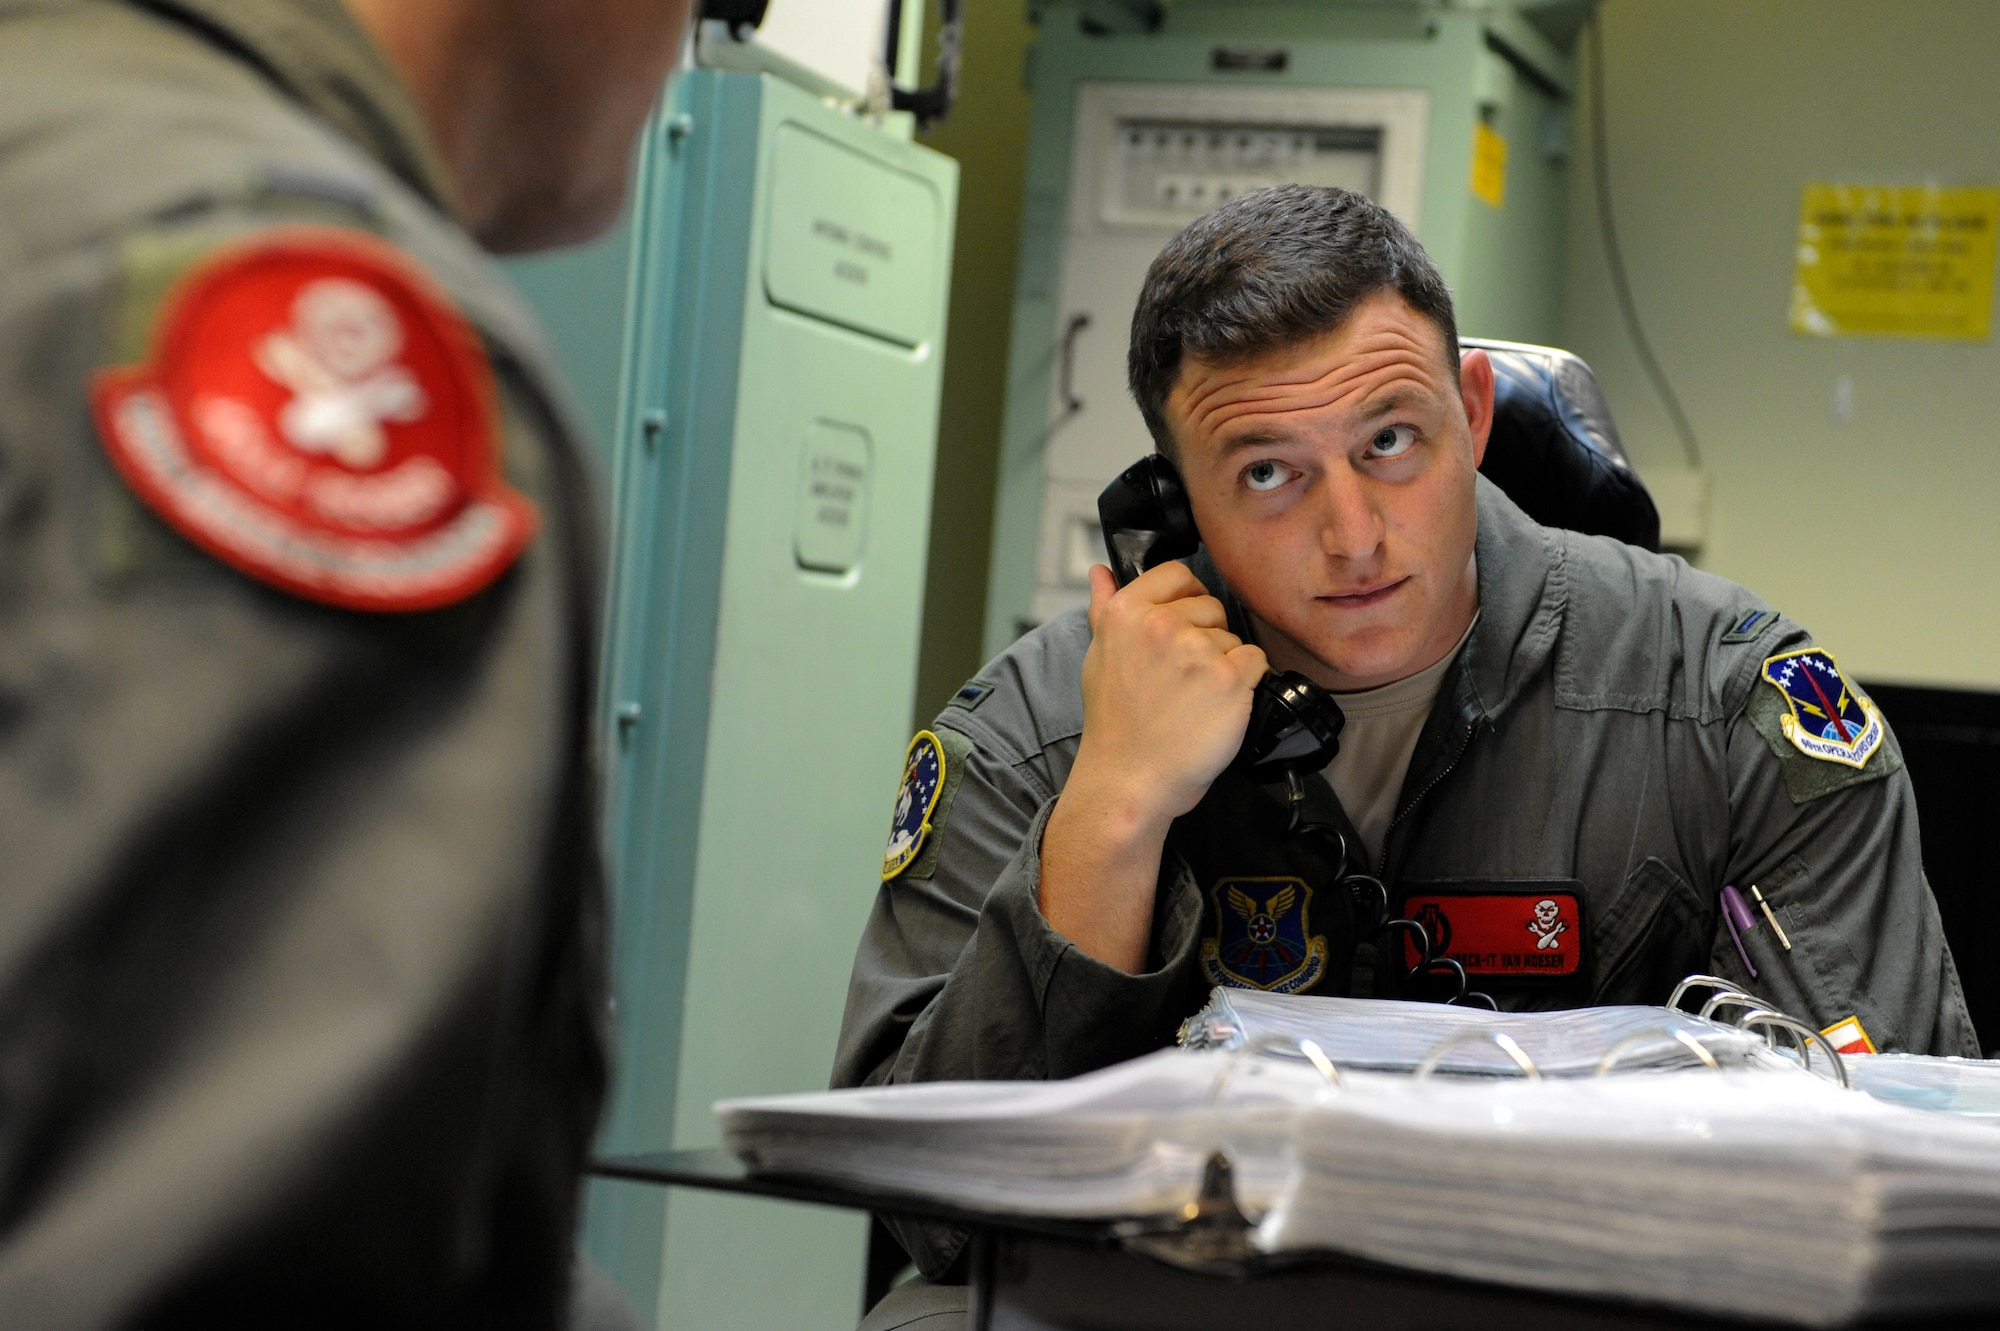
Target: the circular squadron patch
(316, 414)
(1824, 718)
(923, 781)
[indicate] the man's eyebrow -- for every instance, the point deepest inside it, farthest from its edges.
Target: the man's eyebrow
(1397, 399)
(1391, 402)
(1254, 439)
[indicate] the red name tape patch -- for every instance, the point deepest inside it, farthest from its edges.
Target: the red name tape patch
(1515, 931)
(317, 415)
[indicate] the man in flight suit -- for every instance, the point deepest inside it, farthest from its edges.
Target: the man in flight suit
(301, 973)
(1559, 749)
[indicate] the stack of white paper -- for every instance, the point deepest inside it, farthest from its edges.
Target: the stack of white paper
(1769, 1194)
(1968, 1087)
(1130, 1140)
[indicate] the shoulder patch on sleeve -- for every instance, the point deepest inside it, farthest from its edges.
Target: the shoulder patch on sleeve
(312, 411)
(1749, 626)
(932, 768)
(1827, 734)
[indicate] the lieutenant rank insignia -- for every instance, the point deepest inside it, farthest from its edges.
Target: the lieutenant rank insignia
(1261, 939)
(315, 412)
(1825, 718)
(923, 780)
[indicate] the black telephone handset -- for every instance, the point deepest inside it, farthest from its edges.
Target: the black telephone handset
(1294, 723)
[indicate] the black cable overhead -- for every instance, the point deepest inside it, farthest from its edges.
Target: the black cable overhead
(932, 103)
(742, 16)
(1615, 257)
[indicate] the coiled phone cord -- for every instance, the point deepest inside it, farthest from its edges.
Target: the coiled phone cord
(1380, 927)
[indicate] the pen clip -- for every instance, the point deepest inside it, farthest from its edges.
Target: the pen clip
(1776, 928)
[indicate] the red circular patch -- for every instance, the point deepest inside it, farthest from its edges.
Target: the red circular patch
(318, 415)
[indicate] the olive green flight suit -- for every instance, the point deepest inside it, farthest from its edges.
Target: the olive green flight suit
(1605, 727)
(301, 974)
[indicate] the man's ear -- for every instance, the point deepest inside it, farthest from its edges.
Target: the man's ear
(1475, 389)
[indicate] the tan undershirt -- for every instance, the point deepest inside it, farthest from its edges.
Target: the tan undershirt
(1376, 746)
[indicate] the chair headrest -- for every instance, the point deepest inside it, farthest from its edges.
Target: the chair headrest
(1554, 450)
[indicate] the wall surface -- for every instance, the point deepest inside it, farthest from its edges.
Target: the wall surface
(580, 296)
(988, 133)
(1874, 533)
(1880, 534)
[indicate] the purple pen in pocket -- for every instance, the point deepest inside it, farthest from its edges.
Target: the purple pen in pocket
(1736, 914)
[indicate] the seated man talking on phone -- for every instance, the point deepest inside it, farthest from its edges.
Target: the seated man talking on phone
(1559, 749)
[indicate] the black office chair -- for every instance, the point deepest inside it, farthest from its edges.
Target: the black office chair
(1554, 450)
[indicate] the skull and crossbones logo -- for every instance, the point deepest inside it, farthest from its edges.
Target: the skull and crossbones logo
(1547, 926)
(338, 356)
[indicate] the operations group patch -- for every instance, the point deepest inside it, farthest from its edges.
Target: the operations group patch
(1824, 718)
(316, 414)
(916, 800)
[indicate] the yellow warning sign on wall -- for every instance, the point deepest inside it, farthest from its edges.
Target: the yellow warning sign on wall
(1489, 165)
(1895, 261)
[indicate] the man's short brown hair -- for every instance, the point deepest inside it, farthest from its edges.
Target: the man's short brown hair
(1267, 270)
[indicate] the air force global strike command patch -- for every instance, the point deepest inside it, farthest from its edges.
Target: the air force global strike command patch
(1824, 718)
(923, 781)
(316, 414)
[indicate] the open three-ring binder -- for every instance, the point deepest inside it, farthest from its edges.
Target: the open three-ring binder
(1728, 1162)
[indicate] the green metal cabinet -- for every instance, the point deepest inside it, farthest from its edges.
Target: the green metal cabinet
(1439, 70)
(772, 449)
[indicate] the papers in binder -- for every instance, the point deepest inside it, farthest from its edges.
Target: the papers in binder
(1130, 1140)
(1707, 1172)
(1395, 1037)
(1768, 1194)
(1966, 1087)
